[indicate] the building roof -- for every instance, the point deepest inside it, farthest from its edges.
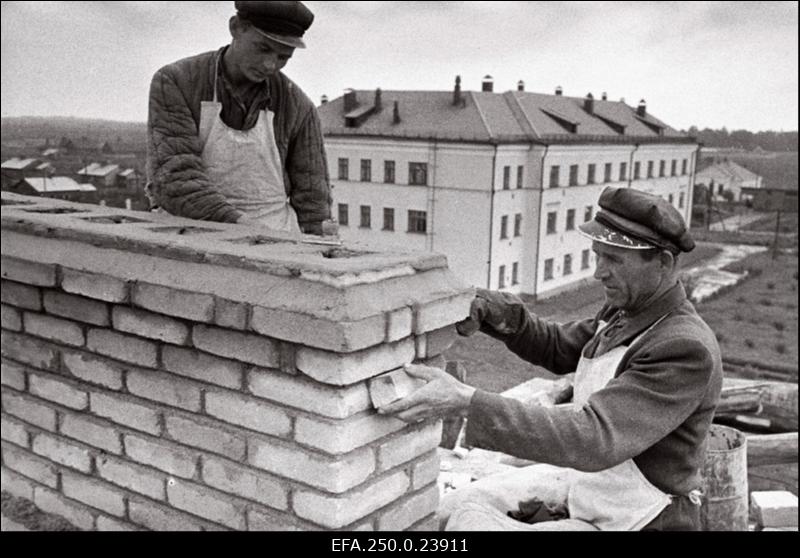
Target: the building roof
(732, 170)
(51, 151)
(513, 116)
(128, 172)
(19, 164)
(97, 169)
(58, 184)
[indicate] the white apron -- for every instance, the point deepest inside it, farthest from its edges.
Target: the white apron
(246, 166)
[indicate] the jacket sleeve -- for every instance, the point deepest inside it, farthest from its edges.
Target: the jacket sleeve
(177, 180)
(307, 169)
(661, 387)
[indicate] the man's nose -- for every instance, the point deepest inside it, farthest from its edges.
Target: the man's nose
(600, 271)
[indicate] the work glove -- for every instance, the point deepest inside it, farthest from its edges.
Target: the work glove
(321, 228)
(498, 314)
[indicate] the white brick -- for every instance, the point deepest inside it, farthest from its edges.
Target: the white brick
(430, 523)
(122, 347)
(161, 518)
(14, 432)
(253, 349)
(230, 314)
(409, 445)
(307, 395)
(93, 369)
(261, 521)
(29, 350)
(164, 389)
(330, 474)
(124, 411)
(108, 524)
(399, 324)
(425, 471)
(55, 329)
(206, 503)
(203, 367)
(345, 435)
(774, 508)
(439, 340)
(91, 432)
(94, 493)
(133, 477)
(149, 325)
(345, 369)
(16, 484)
(10, 318)
(441, 313)
(52, 502)
(21, 296)
(248, 412)
(166, 457)
(30, 411)
(392, 386)
(173, 302)
(247, 483)
(92, 285)
(193, 433)
(12, 375)
(58, 391)
(29, 273)
(29, 465)
(60, 451)
(405, 513)
(335, 512)
(76, 308)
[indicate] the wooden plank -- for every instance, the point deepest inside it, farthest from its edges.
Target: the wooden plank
(769, 449)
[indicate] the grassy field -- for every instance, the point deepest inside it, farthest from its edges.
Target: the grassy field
(767, 223)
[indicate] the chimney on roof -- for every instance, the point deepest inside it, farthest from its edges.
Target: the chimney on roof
(457, 92)
(488, 84)
(396, 113)
(604, 96)
(324, 99)
(350, 101)
(641, 110)
(559, 91)
(520, 85)
(588, 103)
(378, 104)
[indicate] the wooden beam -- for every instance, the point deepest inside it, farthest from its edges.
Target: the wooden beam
(767, 449)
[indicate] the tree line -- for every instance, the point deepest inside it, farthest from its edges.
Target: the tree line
(744, 139)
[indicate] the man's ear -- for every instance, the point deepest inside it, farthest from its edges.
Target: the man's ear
(667, 259)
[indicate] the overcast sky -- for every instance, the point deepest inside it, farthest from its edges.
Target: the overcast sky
(710, 64)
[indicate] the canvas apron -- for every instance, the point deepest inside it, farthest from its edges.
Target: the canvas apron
(246, 165)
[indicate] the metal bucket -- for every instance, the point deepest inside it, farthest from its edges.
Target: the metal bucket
(725, 505)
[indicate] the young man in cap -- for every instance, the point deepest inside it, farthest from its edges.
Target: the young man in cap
(627, 454)
(231, 138)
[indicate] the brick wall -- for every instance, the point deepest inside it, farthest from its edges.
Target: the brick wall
(162, 373)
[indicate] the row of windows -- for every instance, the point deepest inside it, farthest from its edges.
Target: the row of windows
(417, 220)
(417, 172)
(567, 268)
(588, 213)
(501, 275)
(608, 172)
(507, 176)
(504, 226)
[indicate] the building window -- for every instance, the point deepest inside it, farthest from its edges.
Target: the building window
(417, 222)
(344, 169)
(501, 277)
(515, 273)
(590, 176)
(573, 175)
(552, 219)
(554, 176)
(548, 269)
(680, 200)
(506, 177)
(585, 259)
(388, 172)
(720, 189)
(418, 174)
(388, 218)
(662, 168)
(568, 264)
(344, 216)
(366, 170)
(518, 225)
(503, 227)
(366, 217)
(607, 173)
(650, 166)
(637, 170)
(570, 219)
(673, 170)
(671, 199)
(588, 213)
(520, 174)
(684, 167)
(623, 171)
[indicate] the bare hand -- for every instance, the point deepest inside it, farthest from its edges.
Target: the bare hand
(441, 395)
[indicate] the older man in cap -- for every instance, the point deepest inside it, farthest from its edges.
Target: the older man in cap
(627, 453)
(231, 138)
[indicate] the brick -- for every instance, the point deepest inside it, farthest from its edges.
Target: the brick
(335, 512)
(247, 483)
(425, 471)
(344, 369)
(149, 325)
(405, 513)
(182, 304)
(52, 502)
(253, 349)
(248, 412)
(193, 433)
(55, 329)
(29, 410)
(409, 445)
(16, 484)
(264, 521)
(206, 503)
(420, 346)
(10, 318)
(430, 523)
(76, 308)
(21, 296)
(230, 314)
(29, 465)
(774, 508)
(442, 312)
(96, 494)
(439, 340)
(203, 367)
(164, 389)
(398, 324)
(316, 332)
(392, 386)
(93, 369)
(30, 273)
(122, 347)
(124, 411)
(14, 432)
(93, 285)
(12, 375)
(62, 452)
(344, 435)
(92, 433)
(105, 523)
(133, 477)
(29, 350)
(58, 391)
(307, 395)
(330, 474)
(160, 518)
(166, 457)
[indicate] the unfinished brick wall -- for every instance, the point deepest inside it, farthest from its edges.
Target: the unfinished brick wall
(162, 373)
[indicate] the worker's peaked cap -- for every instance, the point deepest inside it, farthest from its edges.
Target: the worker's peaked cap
(284, 22)
(633, 219)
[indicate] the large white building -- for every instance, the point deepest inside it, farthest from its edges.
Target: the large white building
(498, 182)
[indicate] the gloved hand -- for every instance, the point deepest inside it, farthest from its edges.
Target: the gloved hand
(328, 227)
(495, 312)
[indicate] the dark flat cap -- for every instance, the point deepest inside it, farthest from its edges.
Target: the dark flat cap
(633, 219)
(284, 22)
